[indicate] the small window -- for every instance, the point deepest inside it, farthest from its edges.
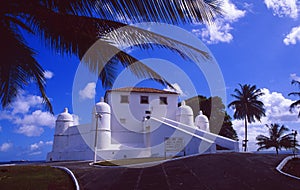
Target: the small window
(123, 120)
(163, 100)
(124, 99)
(144, 100)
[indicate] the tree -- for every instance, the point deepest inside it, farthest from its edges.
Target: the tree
(277, 138)
(71, 27)
(204, 104)
(247, 106)
(297, 102)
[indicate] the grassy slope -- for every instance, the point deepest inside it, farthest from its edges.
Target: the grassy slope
(34, 177)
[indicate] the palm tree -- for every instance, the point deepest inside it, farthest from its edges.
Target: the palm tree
(247, 106)
(71, 27)
(297, 102)
(277, 138)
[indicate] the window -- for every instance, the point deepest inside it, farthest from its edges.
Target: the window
(124, 99)
(144, 100)
(122, 120)
(163, 100)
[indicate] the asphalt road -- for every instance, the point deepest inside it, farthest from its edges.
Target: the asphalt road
(238, 171)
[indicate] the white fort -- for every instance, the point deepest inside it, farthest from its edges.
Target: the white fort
(135, 123)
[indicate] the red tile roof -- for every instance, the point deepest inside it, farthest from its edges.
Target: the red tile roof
(141, 90)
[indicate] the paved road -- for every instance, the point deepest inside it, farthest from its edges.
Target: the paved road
(238, 171)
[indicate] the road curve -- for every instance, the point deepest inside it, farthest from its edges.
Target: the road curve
(212, 172)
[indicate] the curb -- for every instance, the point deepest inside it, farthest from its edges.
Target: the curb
(282, 164)
(71, 175)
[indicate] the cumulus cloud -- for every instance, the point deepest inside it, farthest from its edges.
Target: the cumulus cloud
(293, 36)
(5, 147)
(277, 111)
(39, 145)
(89, 91)
(283, 8)
(30, 130)
(37, 118)
(26, 115)
(48, 74)
(219, 31)
(24, 102)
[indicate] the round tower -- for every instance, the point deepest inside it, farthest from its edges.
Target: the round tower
(63, 121)
(102, 115)
(185, 115)
(202, 122)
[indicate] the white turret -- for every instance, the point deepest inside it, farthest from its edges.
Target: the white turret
(102, 115)
(63, 121)
(201, 121)
(185, 115)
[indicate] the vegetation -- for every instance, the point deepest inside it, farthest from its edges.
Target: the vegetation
(292, 167)
(277, 139)
(206, 105)
(247, 106)
(71, 27)
(297, 102)
(34, 177)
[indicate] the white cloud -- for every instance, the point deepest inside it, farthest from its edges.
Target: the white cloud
(283, 8)
(219, 31)
(232, 14)
(37, 118)
(26, 115)
(48, 74)
(0, 129)
(89, 91)
(36, 146)
(5, 147)
(30, 130)
(277, 111)
(293, 36)
(294, 76)
(49, 142)
(24, 102)
(39, 145)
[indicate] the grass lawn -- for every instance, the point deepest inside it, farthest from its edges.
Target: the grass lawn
(34, 177)
(293, 167)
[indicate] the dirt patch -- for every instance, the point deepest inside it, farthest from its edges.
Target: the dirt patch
(292, 167)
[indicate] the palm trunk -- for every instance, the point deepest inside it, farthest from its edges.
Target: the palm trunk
(246, 139)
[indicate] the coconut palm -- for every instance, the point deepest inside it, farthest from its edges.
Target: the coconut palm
(297, 102)
(71, 27)
(247, 106)
(277, 139)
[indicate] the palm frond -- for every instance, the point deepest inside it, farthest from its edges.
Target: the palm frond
(17, 70)
(172, 11)
(295, 82)
(294, 94)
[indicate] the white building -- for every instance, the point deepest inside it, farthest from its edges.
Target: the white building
(136, 122)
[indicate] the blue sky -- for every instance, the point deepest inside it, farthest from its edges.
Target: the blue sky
(256, 42)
